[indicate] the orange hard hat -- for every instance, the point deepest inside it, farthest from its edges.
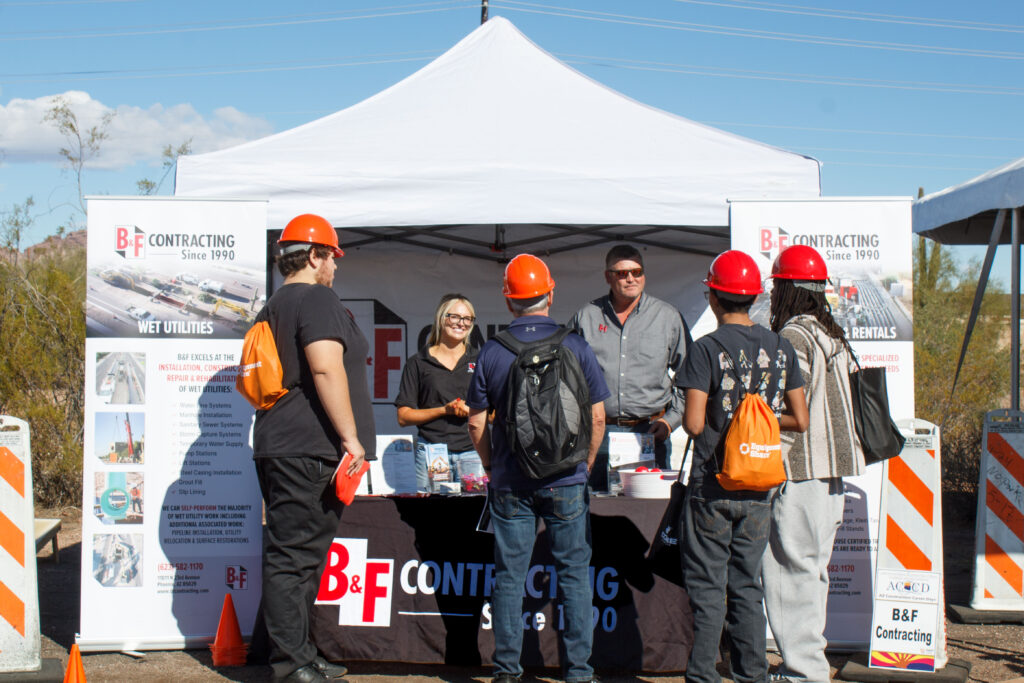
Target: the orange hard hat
(799, 262)
(734, 272)
(526, 277)
(311, 229)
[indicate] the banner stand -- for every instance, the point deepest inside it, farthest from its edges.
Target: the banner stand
(908, 638)
(997, 596)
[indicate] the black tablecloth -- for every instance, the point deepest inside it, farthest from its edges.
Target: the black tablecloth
(642, 622)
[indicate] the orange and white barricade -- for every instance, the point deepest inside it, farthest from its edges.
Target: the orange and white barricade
(19, 602)
(999, 534)
(910, 524)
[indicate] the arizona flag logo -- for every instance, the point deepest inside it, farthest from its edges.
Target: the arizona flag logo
(470, 367)
(902, 660)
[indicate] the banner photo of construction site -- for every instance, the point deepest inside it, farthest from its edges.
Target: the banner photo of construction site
(171, 505)
(866, 244)
(157, 278)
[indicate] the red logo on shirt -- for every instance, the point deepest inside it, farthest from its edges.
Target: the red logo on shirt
(602, 328)
(471, 367)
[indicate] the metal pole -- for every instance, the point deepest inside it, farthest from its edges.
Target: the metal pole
(1015, 310)
(483, 12)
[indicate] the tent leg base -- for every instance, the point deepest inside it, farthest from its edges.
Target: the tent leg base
(968, 615)
(50, 671)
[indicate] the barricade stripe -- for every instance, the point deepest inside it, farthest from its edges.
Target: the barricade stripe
(913, 489)
(12, 609)
(12, 539)
(1006, 567)
(1007, 456)
(903, 548)
(988, 595)
(1005, 510)
(931, 452)
(12, 470)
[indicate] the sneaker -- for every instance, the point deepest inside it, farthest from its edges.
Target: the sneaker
(329, 670)
(779, 678)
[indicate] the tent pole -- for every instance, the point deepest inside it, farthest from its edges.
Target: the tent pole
(1015, 310)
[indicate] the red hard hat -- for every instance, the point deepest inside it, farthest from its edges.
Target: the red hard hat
(734, 272)
(526, 276)
(311, 229)
(799, 262)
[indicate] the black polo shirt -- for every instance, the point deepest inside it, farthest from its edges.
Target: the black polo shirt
(300, 314)
(428, 384)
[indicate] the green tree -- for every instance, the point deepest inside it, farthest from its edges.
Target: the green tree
(42, 367)
(82, 145)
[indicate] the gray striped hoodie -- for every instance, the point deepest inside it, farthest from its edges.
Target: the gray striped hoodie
(829, 447)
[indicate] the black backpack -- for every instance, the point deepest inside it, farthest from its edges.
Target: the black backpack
(547, 413)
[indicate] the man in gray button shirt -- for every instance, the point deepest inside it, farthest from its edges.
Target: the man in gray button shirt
(637, 339)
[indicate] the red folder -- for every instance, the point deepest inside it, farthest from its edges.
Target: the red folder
(345, 484)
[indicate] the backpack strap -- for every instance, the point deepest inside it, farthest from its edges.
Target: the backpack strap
(732, 366)
(516, 346)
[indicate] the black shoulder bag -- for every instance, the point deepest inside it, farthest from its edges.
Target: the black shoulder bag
(665, 556)
(880, 439)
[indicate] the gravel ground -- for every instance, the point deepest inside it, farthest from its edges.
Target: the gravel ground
(995, 652)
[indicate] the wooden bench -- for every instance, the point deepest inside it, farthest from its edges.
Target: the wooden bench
(46, 532)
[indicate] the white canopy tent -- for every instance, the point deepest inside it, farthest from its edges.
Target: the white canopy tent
(975, 212)
(496, 132)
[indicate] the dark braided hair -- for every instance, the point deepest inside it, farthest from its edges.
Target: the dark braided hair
(789, 301)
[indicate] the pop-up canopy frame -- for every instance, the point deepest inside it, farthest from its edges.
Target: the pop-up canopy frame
(975, 212)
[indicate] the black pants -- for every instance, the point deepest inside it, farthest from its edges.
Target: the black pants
(302, 520)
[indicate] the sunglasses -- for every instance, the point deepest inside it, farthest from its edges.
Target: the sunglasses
(463, 319)
(623, 274)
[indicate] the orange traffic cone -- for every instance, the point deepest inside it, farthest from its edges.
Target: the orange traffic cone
(75, 672)
(228, 648)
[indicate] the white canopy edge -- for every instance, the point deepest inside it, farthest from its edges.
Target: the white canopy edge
(498, 131)
(953, 207)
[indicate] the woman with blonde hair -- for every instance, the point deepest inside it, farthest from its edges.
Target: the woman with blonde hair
(432, 392)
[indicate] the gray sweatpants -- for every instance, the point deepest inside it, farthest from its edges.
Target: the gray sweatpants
(805, 517)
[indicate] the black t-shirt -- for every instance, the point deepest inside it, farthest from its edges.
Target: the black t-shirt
(426, 383)
(300, 314)
(751, 348)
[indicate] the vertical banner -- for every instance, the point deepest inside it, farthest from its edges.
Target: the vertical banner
(866, 243)
(171, 509)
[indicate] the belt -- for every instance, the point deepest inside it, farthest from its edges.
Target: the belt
(633, 421)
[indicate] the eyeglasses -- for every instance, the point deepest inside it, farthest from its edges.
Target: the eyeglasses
(455, 318)
(637, 273)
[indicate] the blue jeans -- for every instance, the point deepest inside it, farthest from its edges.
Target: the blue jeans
(461, 463)
(723, 546)
(566, 513)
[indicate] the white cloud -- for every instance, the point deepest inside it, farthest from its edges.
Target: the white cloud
(135, 135)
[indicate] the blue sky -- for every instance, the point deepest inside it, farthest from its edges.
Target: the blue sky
(890, 96)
